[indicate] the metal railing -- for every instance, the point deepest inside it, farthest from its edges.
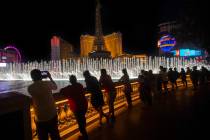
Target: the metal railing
(66, 120)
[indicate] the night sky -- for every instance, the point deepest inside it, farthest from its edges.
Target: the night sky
(31, 25)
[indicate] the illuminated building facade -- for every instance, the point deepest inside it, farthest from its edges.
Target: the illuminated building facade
(168, 27)
(166, 43)
(166, 37)
(86, 45)
(108, 46)
(169, 46)
(113, 43)
(61, 49)
(189, 49)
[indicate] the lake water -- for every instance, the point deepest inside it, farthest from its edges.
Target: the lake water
(21, 86)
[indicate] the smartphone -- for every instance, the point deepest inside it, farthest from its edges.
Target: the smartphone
(44, 74)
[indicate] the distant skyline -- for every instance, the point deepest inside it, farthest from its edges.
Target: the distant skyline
(31, 25)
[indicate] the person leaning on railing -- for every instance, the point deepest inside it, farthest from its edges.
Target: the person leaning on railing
(75, 94)
(94, 88)
(125, 80)
(109, 87)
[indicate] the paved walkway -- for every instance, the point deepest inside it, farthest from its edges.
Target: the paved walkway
(184, 114)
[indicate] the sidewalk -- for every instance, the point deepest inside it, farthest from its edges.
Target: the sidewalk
(181, 115)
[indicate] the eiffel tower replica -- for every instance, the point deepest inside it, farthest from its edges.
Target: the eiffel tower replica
(99, 48)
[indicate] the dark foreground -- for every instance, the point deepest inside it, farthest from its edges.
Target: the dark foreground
(184, 114)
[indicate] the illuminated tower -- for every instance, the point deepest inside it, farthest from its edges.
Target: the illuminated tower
(61, 49)
(99, 48)
(55, 48)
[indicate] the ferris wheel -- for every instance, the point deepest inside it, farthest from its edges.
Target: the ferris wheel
(19, 58)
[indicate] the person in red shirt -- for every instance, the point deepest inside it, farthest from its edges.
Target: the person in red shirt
(109, 87)
(75, 93)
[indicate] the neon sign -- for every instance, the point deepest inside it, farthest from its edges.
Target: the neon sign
(16, 50)
(186, 52)
(166, 43)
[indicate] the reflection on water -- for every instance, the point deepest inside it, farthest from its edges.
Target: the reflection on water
(21, 86)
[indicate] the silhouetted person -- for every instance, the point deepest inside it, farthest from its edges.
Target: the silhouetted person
(128, 89)
(188, 72)
(176, 76)
(97, 101)
(147, 88)
(195, 77)
(75, 94)
(203, 75)
(152, 80)
(109, 87)
(171, 77)
(44, 106)
(159, 83)
(141, 79)
(164, 77)
(208, 75)
(161, 68)
(160, 80)
(183, 77)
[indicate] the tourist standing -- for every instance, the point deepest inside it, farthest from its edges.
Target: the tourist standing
(171, 77)
(148, 86)
(164, 78)
(109, 87)
(75, 94)
(145, 91)
(176, 76)
(152, 80)
(159, 81)
(127, 89)
(97, 101)
(188, 72)
(195, 77)
(183, 77)
(203, 75)
(141, 86)
(44, 106)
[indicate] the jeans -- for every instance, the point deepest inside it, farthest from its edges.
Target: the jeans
(81, 120)
(48, 127)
